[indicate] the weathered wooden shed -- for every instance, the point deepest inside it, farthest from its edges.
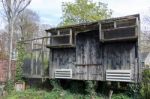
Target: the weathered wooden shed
(105, 50)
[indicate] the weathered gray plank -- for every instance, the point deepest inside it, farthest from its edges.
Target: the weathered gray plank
(62, 59)
(117, 55)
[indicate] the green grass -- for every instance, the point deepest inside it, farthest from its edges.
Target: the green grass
(120, 96)
(37, 94)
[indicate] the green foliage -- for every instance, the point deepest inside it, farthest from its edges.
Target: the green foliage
(145, 86)
(56, 84)
(9, 87)
(83, 11)
(37, 94)
(120, 96)
(133, 91)
(91, 88)
(20, 59)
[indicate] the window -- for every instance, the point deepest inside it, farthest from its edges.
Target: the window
(64, 38)
(121, 29)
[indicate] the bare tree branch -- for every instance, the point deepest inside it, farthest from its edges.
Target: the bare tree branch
(12, 8)
(23, 7)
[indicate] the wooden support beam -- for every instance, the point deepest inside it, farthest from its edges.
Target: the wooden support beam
(70, 41)
(115, 25)
(139, 51)
(137, 27)
(32, 58)
(50, 64)
(58, 32)
(100, 31)
(42, 67)
(34, 39)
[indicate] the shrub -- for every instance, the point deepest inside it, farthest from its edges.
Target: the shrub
(120, 96)
(133, 90)
(91, 88)
(145, 86)
(9, 86)
(56, 84)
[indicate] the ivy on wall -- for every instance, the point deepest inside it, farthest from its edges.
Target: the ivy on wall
(20, 59)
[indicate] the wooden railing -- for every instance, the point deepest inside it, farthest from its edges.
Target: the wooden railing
(36, 58)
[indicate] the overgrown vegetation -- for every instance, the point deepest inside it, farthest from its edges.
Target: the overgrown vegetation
(9, 87)
(133, 91)
(66, 89)
(91, 88)
(120, 96)
(41, 94)
(145, 86)
(56, 85)
(63, 94)
(20, 59)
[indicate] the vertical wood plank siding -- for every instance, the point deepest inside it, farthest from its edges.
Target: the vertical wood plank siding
(90, 59)
(62, 59)
(89, 55)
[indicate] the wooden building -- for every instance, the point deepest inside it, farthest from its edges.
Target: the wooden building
(106, 50)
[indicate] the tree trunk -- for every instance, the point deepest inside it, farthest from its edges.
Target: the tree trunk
(11, 30)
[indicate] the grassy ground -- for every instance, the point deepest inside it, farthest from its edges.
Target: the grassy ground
(34, 94)
(54, 90)
(38, 94)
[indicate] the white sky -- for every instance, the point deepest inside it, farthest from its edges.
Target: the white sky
(50, 10)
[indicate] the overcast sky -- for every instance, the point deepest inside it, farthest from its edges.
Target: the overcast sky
(50, 10)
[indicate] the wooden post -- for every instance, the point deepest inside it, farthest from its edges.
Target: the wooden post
(58, 32)
(36, 57)
(31, 58)
(137, 27)
(115, 25)
(110, 93)
(136, 70)
(139, 51)
(50, 64)
(110, 90)
(100, 32)
(46, 39)
(70, 37)
(42, 67)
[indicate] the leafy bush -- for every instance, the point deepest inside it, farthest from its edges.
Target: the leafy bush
(120, 96)
(91, 88)
(9, 86)
(133, 90)
(56, 84)
(145, 86)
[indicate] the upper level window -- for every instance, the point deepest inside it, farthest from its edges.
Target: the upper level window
(121, 29)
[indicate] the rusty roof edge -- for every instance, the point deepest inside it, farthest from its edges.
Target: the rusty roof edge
(90, 23)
